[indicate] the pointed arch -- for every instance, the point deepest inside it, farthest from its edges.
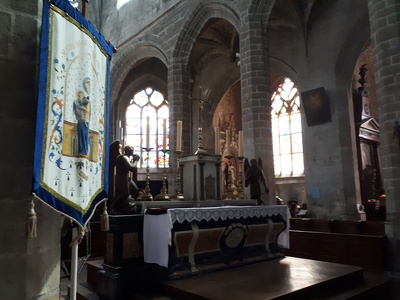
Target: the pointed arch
(196, 21)
(126, 59)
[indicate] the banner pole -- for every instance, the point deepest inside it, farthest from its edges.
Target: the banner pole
(74, 264)
(84, 8)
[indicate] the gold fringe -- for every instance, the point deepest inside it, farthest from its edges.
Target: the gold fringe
(105, 221)
(32, 221)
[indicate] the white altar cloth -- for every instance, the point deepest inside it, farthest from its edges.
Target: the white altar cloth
(157, 228)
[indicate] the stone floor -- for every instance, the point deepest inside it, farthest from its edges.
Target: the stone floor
(65, 281)
(287, 278)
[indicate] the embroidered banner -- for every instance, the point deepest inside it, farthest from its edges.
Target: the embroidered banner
(71, 157)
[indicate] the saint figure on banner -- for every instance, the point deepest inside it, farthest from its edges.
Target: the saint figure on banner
(82, 114)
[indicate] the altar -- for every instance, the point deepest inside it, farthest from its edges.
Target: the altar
(176, 242)
(189, 241)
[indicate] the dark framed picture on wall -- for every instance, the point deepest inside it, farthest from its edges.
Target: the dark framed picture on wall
(316, 106)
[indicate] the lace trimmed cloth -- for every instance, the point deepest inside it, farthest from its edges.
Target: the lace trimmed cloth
(159, 222)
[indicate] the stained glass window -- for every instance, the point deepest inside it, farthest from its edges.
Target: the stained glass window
(147, 127)
(286, 130)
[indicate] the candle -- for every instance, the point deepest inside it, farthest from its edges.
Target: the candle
(148, 133)
(240, 143)
(228, 143)
(164, 134)
(179, 136)
(216, 145)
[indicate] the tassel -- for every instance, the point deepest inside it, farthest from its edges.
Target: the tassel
(32, 221)
(105, 222)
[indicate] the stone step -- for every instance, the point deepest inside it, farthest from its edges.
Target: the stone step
(85, 291)
(355, 285)
(374, 286)
(285, 279)
(93, 266)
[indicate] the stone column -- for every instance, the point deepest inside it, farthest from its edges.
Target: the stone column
(385, 38)
(179, 108)
(256, 95)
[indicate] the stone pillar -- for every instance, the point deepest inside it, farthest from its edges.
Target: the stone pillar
(256, 96)
(385, 38)
(179, 109)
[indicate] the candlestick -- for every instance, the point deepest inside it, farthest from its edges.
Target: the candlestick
(148, 133)
(228, 143)
(240, 142)
(163, 195)
(146, 195)
(216, 145)
(179, 136)
(240, 190)
(178, 194)
(164, 136)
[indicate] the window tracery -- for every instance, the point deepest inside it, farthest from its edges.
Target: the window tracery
(286, 130)
(148, 103)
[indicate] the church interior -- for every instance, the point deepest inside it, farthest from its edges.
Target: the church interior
(308, 89)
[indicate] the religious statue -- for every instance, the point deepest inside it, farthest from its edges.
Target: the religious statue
(254, 177)
(369, 181)
(82, 113)
(126, 190)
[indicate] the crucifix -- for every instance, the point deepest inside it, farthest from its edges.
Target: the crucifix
(200, 148)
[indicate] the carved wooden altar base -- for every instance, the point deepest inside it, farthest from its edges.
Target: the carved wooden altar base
(205, 246)
(197, 247)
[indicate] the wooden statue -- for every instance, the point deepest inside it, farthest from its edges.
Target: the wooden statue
(126, 190)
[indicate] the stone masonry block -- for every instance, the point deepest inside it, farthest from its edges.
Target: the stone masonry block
(387, 33)
(25, 37)
(25, 6)
(5, 28)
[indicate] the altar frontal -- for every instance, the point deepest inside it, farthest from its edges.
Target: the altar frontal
(190, 241)
(72, 114)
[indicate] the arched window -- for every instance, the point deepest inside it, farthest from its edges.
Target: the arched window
(286, 130)
(147, 126)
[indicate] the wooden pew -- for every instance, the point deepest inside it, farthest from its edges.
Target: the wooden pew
(360, 243)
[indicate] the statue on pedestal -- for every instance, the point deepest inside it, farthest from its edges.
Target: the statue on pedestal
(254, 176)
(126, 190)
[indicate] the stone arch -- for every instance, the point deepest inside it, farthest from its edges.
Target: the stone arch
(280, 69)
(129, 77)
(345, 63)
(352, 47)
(261, 6)
(141, 48)
(217, 89)
(137, 85)
(196, 21)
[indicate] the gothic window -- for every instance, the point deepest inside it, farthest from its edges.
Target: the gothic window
(286, 130)
(147, 126)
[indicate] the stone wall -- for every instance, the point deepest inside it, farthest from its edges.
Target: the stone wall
(29, 267)
(322, 52)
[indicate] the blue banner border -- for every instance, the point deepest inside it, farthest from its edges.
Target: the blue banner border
(40, 192)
